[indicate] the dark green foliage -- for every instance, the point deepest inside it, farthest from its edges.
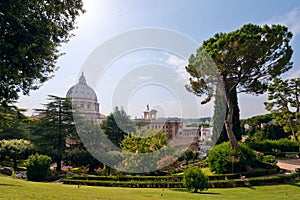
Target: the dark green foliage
(254, 173)
(13, 123)
(282, 145)
(194, 179)
(269, 131)
(81, 157)
(55, 125)
(258, 120)
(259, 181)
(38, 167)
(229, 183)
(188, 155)
(130, 184)
(171, 178)
(215, 181)
(261, 127)
(284, 97)
(117, 125)
(31, 33)
(219, 162)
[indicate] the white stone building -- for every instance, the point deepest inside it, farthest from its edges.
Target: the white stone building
(84, 98)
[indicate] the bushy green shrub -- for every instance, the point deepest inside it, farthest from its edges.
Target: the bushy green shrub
(194, 179)
(38, 167)
(269, 159)
(220, 158)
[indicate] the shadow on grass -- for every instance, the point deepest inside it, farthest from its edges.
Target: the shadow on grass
(297, 183)
(185, 190)
(5, 184)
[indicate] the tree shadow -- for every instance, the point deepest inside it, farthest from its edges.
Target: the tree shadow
(210, 193)
(5, 184)
(185, 190)
(297, 184)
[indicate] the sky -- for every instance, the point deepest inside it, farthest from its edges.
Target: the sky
(156, 76)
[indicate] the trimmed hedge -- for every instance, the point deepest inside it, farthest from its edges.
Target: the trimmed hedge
(275, 146)
(258, 181)
(254, 173)
(131, 184)
(282, 154)
(174, 178)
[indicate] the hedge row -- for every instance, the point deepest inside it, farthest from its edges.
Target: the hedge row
(174, 178)
(276, 146)
(283, 154)
(130, 184)
(253, 173)
(259, 181)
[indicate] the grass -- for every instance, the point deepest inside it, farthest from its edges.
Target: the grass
(18, 189)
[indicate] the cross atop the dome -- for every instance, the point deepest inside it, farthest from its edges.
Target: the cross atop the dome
(82, 79)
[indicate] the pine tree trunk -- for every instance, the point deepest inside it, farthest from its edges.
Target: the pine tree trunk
(229, 124)
(15, 164)
(58, 165)
(292, 129)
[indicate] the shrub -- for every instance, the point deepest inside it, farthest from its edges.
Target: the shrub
(194, 179)
(38, 167)
(219, 162)
(269, 159)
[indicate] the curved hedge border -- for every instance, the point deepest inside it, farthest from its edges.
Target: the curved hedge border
(130, 184)
(175, 178)
(258, 181)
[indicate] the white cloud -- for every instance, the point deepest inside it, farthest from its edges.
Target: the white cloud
(141, 78)
(294, 73)
(176, 61)
(180, 64)
(290, 19)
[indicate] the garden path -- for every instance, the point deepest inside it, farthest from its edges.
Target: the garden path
(289, 164)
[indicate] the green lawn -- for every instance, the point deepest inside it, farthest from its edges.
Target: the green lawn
(19, 189)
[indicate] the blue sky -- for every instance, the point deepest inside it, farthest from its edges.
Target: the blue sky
(197, 19)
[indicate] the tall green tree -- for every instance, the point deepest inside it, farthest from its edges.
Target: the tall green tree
(55, 125)
(31, 34)
(117, 125)
(284, 97)
(247, 60)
